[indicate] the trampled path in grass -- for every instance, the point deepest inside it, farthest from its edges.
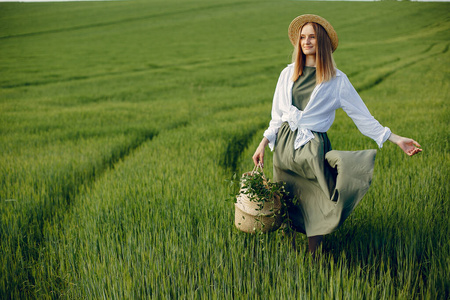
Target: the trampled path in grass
(167, 14)
(379, 73)
(121, 122)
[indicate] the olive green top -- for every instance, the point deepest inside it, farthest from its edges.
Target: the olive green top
(303, 87)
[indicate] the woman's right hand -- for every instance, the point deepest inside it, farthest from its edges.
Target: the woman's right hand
(258, 157)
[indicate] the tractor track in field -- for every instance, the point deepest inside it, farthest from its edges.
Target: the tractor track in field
(80, 78)
(58, 204)
(123, 21)
(61, 200)
(117, 155)
(151, 67)
(387, 63)
(388, 69)
(236, 145)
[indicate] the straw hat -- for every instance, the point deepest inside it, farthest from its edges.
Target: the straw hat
(297, 23)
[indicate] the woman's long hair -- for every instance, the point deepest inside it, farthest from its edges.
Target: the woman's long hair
(325, 65)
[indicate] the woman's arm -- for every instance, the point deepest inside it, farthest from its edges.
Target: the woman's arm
(281, 98)
(357, 110)
(258, 157)
(409, 146)
(353, 105)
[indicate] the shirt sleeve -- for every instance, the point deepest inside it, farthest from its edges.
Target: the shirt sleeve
(277, 113)
(355, 108)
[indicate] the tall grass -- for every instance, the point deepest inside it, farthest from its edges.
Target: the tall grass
(121, 121)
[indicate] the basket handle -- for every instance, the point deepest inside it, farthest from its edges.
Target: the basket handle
(259, 168)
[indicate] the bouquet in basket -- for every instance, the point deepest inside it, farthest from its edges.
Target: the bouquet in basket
(258, 203)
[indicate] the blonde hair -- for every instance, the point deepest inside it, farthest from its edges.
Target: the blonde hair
(325, 65)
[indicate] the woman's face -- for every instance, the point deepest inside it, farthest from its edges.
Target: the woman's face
(308, 40)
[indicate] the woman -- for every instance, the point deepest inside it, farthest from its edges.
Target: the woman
(327, 184)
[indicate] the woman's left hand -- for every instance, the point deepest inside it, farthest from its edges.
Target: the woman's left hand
(409, 146)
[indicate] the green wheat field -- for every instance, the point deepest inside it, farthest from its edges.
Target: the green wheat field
(121, 123)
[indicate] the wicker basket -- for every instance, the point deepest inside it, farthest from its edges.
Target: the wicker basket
(257, 216)
(260, 223)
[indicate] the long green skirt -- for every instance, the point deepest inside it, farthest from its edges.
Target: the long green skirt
(327, 184)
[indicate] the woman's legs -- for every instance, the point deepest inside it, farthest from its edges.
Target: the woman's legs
(314, 243)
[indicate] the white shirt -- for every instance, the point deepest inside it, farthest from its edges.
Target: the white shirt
(319, 113)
